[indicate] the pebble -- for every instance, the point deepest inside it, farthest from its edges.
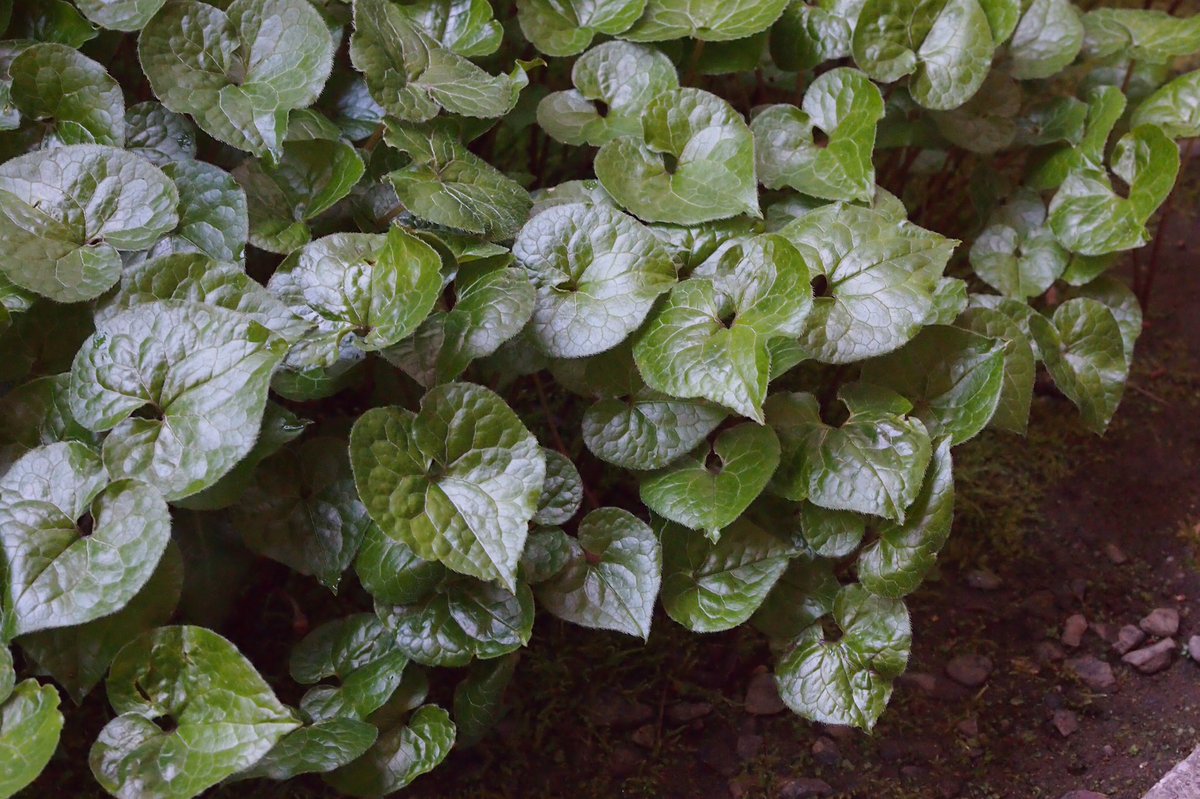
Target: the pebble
(762, 696)
(825, 751)
(983, 580)
(683, 712)
(1073, 630)
(1194, 648)
(1065, 722)
(969, 670)
(645, 736)
(804, 788)
(1115, 554)
(1049, 652)
(1093, 672)
(1128, 639)
(1154, 658)
(1161, 623)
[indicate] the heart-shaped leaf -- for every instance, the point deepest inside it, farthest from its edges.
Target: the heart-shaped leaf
(457, 482)
(314, 748)
(648, 430)
(808, 35)
(30, 723)
(402, 753)
(561, 28)
(465, 26)
(121, 15)
(707, 20)
(561, 493)
(71, 94)
(1020, 366)
(212, 211)
(1048, 38)
(1017, 253)
(160, 136)
(612, 578)
(1175, 108)
(358, 654)
(1139, 34)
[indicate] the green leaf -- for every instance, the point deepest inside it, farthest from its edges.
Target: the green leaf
(803, 595)
(873, 463)
(612, 578)
(1141, 35)
(1016, 393)
(829, 533)
(121, 15)
(78, 657)
(1175, 108)
(694, 161)
(880, 278)
(953, 378)
(66, 212)
(649, 430)
(170, 673)
(1124, 306)
(412, 76)
(158, 135)
(30, 723)
(1090, 218)
(848, 681)
(479, 698)
(809, 35)
(1017, 253)
(212, 210)
(945, 45)
(301, 509)
(597, 273)
(1003, 16)
(710, 587)
(709, 339)
(284, 197)
(1084, 352)
(710, 489)
(895, 563)
(70, 94)
(37, 413)
(1048, 38)
(845, 106)
(360, 658)
(614, 85)
(707, 20)
(314, 748)
(401, 754)
(51, 21)
(360, 290)
(238, 71)
(465, 26)
(491, 307)
(449, 185)
(199, 377)
(458, 482)
(567, 27)
(562, 491)
(391, 572)
(8, 675)
(547, 552)
(60, 572)
(459, 620)
(987, 122)
(1051, 120)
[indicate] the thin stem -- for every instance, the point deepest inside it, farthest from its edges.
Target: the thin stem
(694, 62)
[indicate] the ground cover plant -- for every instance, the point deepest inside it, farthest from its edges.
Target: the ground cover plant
(467, 313)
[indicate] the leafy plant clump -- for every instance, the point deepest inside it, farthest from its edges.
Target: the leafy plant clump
(468, 312)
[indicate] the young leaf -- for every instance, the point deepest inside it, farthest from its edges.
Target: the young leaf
(1175, 108)
(66, 212)
(213, 217)
(566, 28)
(709, 587)
(808, 35)
(465, 26)
(879, 280)
(302, 510)
(1084, 352)
(77, 547)
(457, 482)
(612, 578)
(709, 339)
(707, 20)
(845, 106)
(1017, 254)
(69, 93)
(707, 496)
(199, 375)
(897, 561)
(849, 680)
(391, 572)
(314, 748)
(356, 651)
(694, 161)
(597, 273)
(561, 493)
(30, 723)
(402, 753)
(946, 45)
(1048, 38)
(170, 673)
(1020, 366)
(649, 430)
(873, 463)
(953, 378)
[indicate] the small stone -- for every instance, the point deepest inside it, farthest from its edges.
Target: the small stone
(1128, 639)
(923, 682)
(762, 696)
(749, 746)
(1108, 750)
(1194, 648)
(804, 788)
(1073, 631)
(1161, 623)
(614, 710)
(970, 670)
(1049, 652)
(1115, 554)
(1093, 672)
(1065, 722)
(825, 751)
(983, 580)
(645, 736)
(684, 712)
(969, 727)
(1083, 795)
(1154, 658)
